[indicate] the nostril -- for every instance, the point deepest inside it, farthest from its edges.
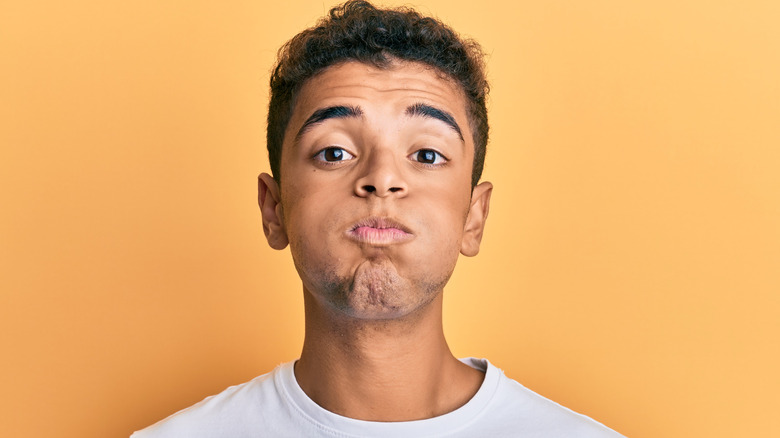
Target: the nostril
(369, 189)
(394, 189)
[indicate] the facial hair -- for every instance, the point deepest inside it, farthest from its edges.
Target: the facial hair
(375, 290)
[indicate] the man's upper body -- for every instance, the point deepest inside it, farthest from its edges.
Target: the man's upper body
(274, 405)
(377, 129)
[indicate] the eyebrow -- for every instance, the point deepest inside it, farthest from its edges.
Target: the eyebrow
(424, 110)
(343, 112)
(331, 112)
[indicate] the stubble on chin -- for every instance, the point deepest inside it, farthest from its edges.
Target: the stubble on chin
(376, 291)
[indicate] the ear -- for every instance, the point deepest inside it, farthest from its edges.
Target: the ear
(475, 221)
(271, 208)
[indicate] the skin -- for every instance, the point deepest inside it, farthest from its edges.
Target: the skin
(376, 205)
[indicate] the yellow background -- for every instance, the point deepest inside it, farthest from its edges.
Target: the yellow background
(630, 269)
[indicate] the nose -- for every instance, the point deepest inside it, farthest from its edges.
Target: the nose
(381, 177)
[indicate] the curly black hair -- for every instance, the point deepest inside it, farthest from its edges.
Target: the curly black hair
(356, 30)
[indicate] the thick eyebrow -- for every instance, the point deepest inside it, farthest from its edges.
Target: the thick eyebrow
(421, 109)
(331, 112)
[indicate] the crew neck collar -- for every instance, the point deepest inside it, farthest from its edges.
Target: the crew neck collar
(340, 426)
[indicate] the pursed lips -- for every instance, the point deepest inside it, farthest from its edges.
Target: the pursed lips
(379, 231)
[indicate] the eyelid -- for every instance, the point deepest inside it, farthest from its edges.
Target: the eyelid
(319, 155)
(444, 158)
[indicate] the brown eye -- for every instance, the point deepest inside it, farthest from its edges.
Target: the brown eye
(333, 154)
(428, 156)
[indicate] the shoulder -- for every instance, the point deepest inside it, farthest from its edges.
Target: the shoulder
(517, 409)
(236, 411)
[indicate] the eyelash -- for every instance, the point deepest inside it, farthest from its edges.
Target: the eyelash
(438, 156)
(320, 155)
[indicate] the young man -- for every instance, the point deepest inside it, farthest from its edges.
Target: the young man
(377, 130)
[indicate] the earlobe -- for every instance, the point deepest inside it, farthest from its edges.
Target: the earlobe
(475, 221)
(269, 200)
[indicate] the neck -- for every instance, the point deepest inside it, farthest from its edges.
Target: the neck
(398, 370)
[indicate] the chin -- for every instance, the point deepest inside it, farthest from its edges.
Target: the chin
(377, 292)
(368, 308)
(376, 288)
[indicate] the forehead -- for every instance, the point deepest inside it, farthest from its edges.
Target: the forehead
(389, 90)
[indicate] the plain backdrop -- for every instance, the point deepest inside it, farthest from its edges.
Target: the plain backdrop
(631, 263)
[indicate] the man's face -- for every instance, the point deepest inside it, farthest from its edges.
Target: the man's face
(376, 187)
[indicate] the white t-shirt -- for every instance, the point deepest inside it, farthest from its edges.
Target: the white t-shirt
(274, 405)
